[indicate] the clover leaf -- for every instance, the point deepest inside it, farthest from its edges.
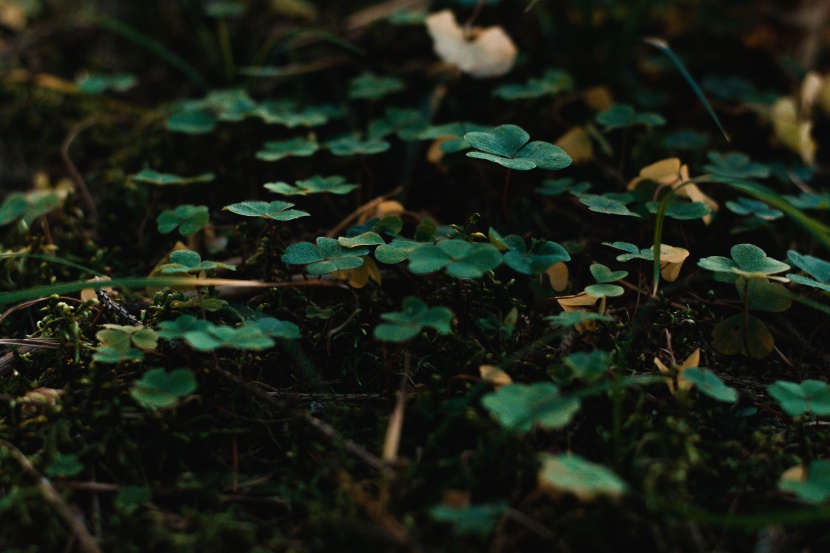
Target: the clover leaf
(746, 206)
(124, 343)
(96, 83)
(158, 389)
(620, 116)
(588, 366)
(573, 474)
(478, 519)
(296, 147)
(576, 318)
(534, 262)
(811, 396)
(325, 257)
(204, 335)
(352, 145)
(605, 204)
(191, 120)
(817, 268)
(189, 219)
(65, 465)
(460, 258)
(148, 176)
(288, 114)
(748, 261)
(405, 325)
(407, 124)
(27, 207)
(735, 164)
(508, 146)
(372, 87)
(190, 262)
(812, 487)
(710, 384)
(555, 187)
(681, 210)
(520, 407)
(396, 251)
(452, 135)
(604, 276)
(554, 81)
(315, 185)
(276, 210)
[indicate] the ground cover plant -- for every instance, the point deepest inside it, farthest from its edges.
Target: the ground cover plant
(282, 275)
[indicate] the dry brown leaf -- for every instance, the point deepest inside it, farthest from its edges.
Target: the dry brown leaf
(670, 172)
(558, 276)
(598, 98)
(495, 376)
(359, 276)
(671, 260)
(577, 144)
(481, 53)
(682, 384)
(792, 131)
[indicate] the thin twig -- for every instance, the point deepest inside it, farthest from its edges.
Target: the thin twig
(85, 540)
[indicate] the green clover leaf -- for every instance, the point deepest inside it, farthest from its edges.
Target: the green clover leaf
(748, 261)
(508, 146)
(189, 219)
(460, 258)
(158, 389)
(405, 325)
(327, 256)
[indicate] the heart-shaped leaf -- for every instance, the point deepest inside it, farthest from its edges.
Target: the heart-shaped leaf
(276, 210)
(815, 267)
(573, 474)
(327, 256)
(520, 407)
(811, 485)
(710, 384)
(189, 219)
(460, 258)
(748, 336)
(148, 176)
(604, 204)
(158, 389)
(603, 274)
(315, 185)
(405, 325)
(296, 147)
(735, 164)
(811, 396)
(372, 87)
(620, 116)
(508, 146)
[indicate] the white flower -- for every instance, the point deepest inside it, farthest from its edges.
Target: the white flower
(480, 52)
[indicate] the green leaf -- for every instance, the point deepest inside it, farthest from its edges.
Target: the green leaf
(764, 295)
(748, 261)
(588, 366)
(553, 82)
(811, 396)
(406, 123)
(574, 474)
(365, 239)
(710, 384)
(746, 206)
(603, 274)
(276, 328)
(751, 338)
(13, 208)
(507, 145)
(288, 114)
(735, 164)
(64, 465)
(327, 256)
(296, 147)
(604, 290)
(276, 210)
(371, 87)
(815, 488)
(191, 121)
(159, 389)
(681, 210)
(473, 519)
(815, 267)
(315, 185)
(685, 139)
(577, 317)
(117, 343)
(352, 146)
(604, 204)
(535, 262)
(148, 176)
(190, 262)
(555, 187)
(520, 407)
(620, 116)
(189, 219)
(460, 258)
(224, 8)
(405, 325)
(396, 251)
(96, 83)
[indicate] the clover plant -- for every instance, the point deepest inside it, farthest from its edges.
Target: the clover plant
(189, 219)
(159, 389)
(404, 325)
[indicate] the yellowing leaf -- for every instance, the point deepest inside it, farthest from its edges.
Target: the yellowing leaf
(671, 260)
(581, 302)
(670, 172)
(494, 375)
(598, 98)
(359, 276)
(791, 130)
(558, 276)
(480, 52)
(577, 144)
(388, 207)
(682, 384)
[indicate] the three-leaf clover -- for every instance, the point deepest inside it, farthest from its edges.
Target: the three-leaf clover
(620, 116)
(811, 485)
(604, 276)
(372, 87)
(460, 258)
(189, 219)
(314, 185)
(124, 343)
(748, 261)
(811, 396)
(276, 150)
(508, 146)
(534, 262)
(817, 268)
(327, 256)
(149, 176)
(158, 389)
(735, 164)
(189, 262)
(520, 407)
(405, 325)
(276, 210)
